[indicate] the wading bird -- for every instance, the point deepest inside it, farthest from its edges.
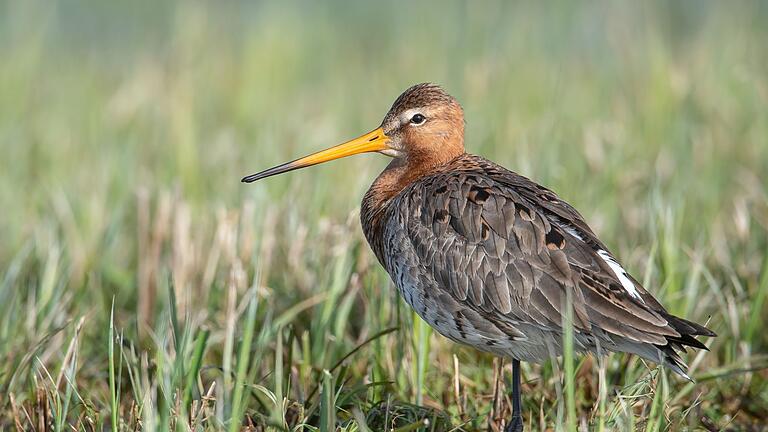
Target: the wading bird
(491, 259)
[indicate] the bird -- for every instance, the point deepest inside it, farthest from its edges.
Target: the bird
(491, 259)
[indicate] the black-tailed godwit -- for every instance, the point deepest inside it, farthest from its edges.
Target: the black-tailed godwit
(491, 259)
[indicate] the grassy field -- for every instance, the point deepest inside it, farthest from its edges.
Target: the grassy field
(143, 287)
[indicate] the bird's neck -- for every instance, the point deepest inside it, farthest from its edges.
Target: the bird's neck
(398, 175)
(376, 202)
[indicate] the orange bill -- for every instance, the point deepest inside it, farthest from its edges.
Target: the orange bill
(374, 141)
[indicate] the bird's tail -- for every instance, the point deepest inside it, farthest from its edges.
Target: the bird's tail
(669, 354)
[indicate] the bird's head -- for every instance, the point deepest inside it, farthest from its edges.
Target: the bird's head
(424, 127)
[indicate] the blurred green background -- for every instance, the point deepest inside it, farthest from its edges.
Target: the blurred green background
(125, 128)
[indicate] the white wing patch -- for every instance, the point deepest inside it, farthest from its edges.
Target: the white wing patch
(620, 273)
(572, 232)
(618, 270)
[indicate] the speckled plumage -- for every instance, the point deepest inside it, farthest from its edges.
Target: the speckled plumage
(486, 257)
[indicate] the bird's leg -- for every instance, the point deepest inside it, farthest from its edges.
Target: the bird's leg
(516, 423)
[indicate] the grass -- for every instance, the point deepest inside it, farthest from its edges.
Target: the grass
(143, 287)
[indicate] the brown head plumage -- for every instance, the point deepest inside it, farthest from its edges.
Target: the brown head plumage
(425, 126)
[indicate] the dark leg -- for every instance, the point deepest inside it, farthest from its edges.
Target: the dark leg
(516, 423)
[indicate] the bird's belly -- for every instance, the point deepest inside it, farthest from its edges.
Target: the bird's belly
(457, 322)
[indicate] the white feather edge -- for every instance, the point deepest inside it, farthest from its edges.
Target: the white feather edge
(617, 269)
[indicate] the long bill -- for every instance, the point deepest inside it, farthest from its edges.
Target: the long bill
(374, 141)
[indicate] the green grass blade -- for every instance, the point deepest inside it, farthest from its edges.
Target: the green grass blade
(243, 360)
(114, 391)
(568, 364)
(422, 334)
(194, 367)
(327, 404)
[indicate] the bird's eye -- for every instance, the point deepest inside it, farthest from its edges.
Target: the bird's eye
(418, 119)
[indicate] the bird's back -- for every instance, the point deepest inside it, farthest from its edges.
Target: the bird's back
(491, 259)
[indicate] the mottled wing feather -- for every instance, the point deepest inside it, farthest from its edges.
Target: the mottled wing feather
(511, 250)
